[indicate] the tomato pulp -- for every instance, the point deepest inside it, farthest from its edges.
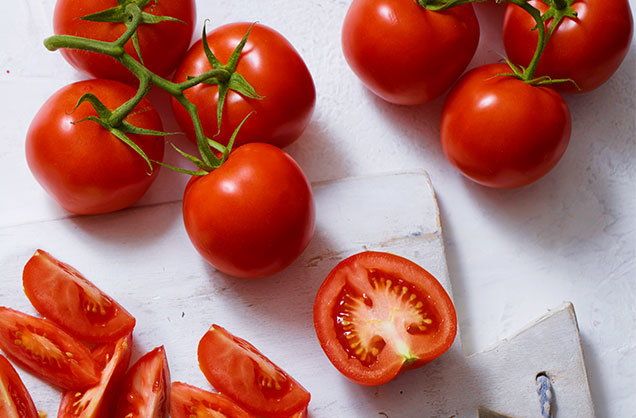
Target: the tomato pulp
(188, 401)
(15, 401)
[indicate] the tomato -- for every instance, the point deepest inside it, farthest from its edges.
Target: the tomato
(587, 49)
(404, 53)
(15, 401)
(61, 294)
(81, 165)
(500, 131)
(287, 102)
(188, 401)
(252, 216)
(162, 44)
(146, 389)
(97, 401)
(238, 370)
(377, 314)
(46, 351)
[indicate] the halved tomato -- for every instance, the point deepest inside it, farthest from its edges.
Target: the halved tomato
(146, 389)
(238, 370)
(97, 402)
(377, 314)
(48, 352)
(15, 401)
(188, 401)
(61, 294)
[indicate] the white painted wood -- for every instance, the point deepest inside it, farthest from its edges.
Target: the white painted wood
(143, 258)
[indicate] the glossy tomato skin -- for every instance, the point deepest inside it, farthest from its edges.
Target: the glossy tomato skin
(81, 165)
(254, 215)
(16, 401)
(48, 352)
(501, 132)
(388, 289)
(587, 49)
(187, 401)
(405, 54)
(276, 71)
(61, 294)
(240, 371)
(162, 45)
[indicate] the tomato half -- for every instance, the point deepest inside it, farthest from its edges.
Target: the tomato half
(254, 215)
(404, 53)
(61, 294)
(502, 132)
(85, 168)
(377, 314)
(587, 49)
(97, 401)
(146, 389)
(46, 351)
(276, 71)
(162, 45)
(238, 370)
(15, 401)
(188, 401)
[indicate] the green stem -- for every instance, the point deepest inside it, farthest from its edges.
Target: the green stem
(56, 42)
(221, 74)
(122, 111)
(132, 25)
(528, 74)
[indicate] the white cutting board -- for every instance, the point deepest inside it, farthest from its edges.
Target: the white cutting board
(142, 257)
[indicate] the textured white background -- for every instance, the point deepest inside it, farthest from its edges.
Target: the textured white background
(511, 254)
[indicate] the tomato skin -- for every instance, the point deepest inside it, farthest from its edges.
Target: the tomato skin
(58, 291)
(588, 49)
(82, 166)
(254, 215)
(68, 364)
(501, 132)
(405, 54)
(235, 368)
(97, 401)
(162, 45)
(186, 401)
(352, 273)
(15, 401)
(287, 103)
(146, 389)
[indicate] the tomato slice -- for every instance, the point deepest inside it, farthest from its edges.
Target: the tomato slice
(188, 401)
(15, 401)
(97, 401)
(41, 347)
(377, 314)
(61, 294)
(237, 369)
(146, 387)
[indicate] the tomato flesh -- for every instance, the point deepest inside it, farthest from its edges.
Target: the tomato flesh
(377, 314)
(188, 401)
(63, 295)
(15, 401)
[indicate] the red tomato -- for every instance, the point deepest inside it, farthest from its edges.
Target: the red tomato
(377, 314)
(61, 294)
(97, 402)
(287, 102)
(81, 165)
(46, 351)
(162, 44)
(188, 401)
(238, 370)
(502, 132)
(146, 389)
(406, 54)
(15, 401)
(587, 49)
(254, 215)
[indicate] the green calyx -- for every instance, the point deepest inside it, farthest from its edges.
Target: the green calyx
(439, 5)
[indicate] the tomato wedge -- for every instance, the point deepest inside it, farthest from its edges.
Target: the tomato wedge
(61, 294)
(237, 369)
(377, 314)
(97, 401)
(48, 352)
(146, 388)
(15, 401)
(188, 401)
